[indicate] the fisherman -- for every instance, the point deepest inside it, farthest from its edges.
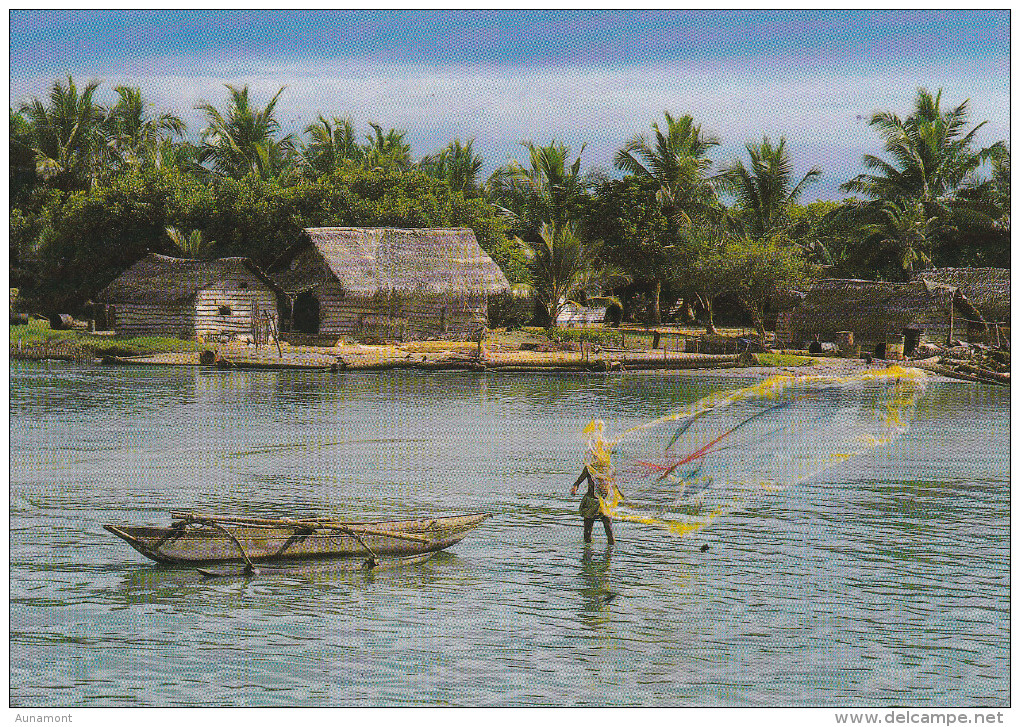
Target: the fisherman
(598, 471)
(591, 506)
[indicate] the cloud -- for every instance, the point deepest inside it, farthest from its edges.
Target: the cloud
(820, 110)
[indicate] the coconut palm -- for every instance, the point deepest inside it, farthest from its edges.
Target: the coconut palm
(191, 245)
(331, 143)
(904, 236)
(134, 136)
(765, 192)
(675, 164)
(550, 189)
(67, 135)
(562, 266)
(244, 140)
(675, 161)
(457, 165)
(931, 155)
(386, 150)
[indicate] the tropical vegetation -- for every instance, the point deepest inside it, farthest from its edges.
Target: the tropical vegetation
(673, 233)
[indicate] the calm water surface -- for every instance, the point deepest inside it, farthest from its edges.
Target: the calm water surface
(881, 582)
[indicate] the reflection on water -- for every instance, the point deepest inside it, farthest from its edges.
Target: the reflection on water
(884, 582)
(595, 592)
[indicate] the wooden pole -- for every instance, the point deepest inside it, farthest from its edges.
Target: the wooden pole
(271, 328)
(952, 307)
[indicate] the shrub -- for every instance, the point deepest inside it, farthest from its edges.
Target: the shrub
(510, 311)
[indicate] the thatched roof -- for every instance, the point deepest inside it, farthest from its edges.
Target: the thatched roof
(986, 288)
(158, 279)
(870, 309)
(368, 260)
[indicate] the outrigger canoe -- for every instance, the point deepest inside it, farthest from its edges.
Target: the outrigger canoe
(195, 540)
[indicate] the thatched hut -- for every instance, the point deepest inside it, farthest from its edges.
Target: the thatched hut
(203, 299)
(986, 288)
(390, 283)
(873, 310)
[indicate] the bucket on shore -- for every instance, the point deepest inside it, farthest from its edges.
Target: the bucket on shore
(894, 347)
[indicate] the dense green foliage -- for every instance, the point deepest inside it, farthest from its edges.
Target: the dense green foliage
(94, 188)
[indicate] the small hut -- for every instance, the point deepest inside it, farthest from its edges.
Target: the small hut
(986, 288)
(389, 283)
(873, 310)
(574, 315)
(203, 299)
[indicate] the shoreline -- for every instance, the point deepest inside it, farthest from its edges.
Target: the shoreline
(372, 358)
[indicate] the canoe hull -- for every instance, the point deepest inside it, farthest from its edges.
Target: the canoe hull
(205, 546)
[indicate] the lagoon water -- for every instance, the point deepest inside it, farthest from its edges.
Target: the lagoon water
(883, 581)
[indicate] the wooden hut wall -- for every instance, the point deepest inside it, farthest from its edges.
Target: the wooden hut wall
(398, 316)
(211, 320)
(160, 319)
(871, 311)
(436, 315)
(339, 312)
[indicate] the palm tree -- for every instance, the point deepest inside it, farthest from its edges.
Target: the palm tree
(67, 135)
(550, 189)
(386, 151)
(765, 192)
(243, 141)
(563, 266)
(675, 161)
(457, 165)
(21, 155)
(931, 154)
(135, 136)
(676, 166)
(332, 142)
(903, 235)
(933, 161)
(190, 246)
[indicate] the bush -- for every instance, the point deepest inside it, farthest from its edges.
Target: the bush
(602, 336)
(510, 311)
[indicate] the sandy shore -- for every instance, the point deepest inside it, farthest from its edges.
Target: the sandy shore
(461, 356)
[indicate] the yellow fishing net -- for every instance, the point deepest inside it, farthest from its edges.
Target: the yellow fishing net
(684, 470)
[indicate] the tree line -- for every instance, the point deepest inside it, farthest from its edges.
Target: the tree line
(93, 188)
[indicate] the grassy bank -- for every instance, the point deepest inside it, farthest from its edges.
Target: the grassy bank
(38, 341)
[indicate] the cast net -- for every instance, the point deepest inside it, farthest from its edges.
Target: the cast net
(730, 449)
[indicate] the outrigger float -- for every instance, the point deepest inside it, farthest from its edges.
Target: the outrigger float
(198, 540)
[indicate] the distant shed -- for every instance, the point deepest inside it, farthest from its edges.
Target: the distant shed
(204, 299)
(402, 284)
(986, 288)
(872, 310)
(572, 315)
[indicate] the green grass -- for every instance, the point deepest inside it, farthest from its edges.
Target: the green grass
(38, 340)
(605, 336)
(782, 359)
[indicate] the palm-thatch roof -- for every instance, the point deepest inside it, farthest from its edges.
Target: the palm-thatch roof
(368, 260)
(986, 288)
(158, 279)
(871, 309)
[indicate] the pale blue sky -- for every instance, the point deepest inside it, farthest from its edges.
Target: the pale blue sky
(583, 77)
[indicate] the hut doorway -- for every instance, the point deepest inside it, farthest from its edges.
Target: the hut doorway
(306, 314)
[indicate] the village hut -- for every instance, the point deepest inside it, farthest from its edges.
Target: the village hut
(199, 299)
(986, 288)
(388, 283)
(871, 311)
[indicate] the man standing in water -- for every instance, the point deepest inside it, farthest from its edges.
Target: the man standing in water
(591, 507)
(598, 470)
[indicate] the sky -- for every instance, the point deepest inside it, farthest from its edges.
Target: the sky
(590, 79)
